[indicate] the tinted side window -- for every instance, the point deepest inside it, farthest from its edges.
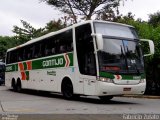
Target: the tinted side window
(49, 46)
(66, 41)
(20, 54)
(13, 56)
(8, 59)
(58, 44)
(85, 50)
(29, 50)
(37, 50)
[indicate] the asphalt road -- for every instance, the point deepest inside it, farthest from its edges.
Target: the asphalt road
(39, 103)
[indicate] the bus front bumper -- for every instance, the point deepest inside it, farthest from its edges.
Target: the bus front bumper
(104, 89)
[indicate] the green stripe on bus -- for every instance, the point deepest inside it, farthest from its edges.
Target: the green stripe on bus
(50, 62)
(27, 74)
(25, 65)
(11, 68)
(124, 77)
(107, 75)
(71, 58)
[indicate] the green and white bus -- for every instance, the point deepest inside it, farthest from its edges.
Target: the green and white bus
(95, 58)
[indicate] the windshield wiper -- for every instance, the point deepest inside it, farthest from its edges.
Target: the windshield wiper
(122, 51)
(129, 57)
(125, 58)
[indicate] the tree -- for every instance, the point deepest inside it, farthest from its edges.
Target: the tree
(85, 8)
(3, 48)
(27, 32)
(6, 43)
(54, 25)
(154, 19)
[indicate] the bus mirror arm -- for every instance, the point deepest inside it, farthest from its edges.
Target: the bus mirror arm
(151, 46)
(99, 41)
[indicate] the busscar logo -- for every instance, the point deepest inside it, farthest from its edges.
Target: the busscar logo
(51, 73)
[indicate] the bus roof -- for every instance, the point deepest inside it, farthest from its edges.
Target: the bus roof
(62, 30)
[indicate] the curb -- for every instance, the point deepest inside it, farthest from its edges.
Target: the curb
(142, 96)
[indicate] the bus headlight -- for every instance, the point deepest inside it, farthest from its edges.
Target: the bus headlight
(103, 79)
(142, 81)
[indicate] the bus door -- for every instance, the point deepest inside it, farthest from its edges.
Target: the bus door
(86, 58)
(90, 78)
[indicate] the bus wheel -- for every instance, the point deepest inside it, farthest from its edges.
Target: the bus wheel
(18, 86)
(67, 89)
(105, 98)
(13, 85)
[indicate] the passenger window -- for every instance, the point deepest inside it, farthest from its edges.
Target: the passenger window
(20, 54)
(57, 44)
(37, 50)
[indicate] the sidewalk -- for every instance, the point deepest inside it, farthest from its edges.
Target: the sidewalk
(143, 96)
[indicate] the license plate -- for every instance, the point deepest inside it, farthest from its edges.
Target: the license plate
(126, 89)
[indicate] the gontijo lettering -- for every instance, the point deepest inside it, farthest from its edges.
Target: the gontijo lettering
(53, 62)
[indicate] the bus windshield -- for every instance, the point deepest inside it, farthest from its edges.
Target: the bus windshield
(121, 53)
(121, 57)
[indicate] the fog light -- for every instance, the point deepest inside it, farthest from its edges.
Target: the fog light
(103, 79)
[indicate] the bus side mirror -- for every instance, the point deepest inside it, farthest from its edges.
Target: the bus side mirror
(99, 41)
(151, 46)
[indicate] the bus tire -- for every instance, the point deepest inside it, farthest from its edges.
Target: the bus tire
(18, 85)
(67, 89)
(13, 84)
(105, 98)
